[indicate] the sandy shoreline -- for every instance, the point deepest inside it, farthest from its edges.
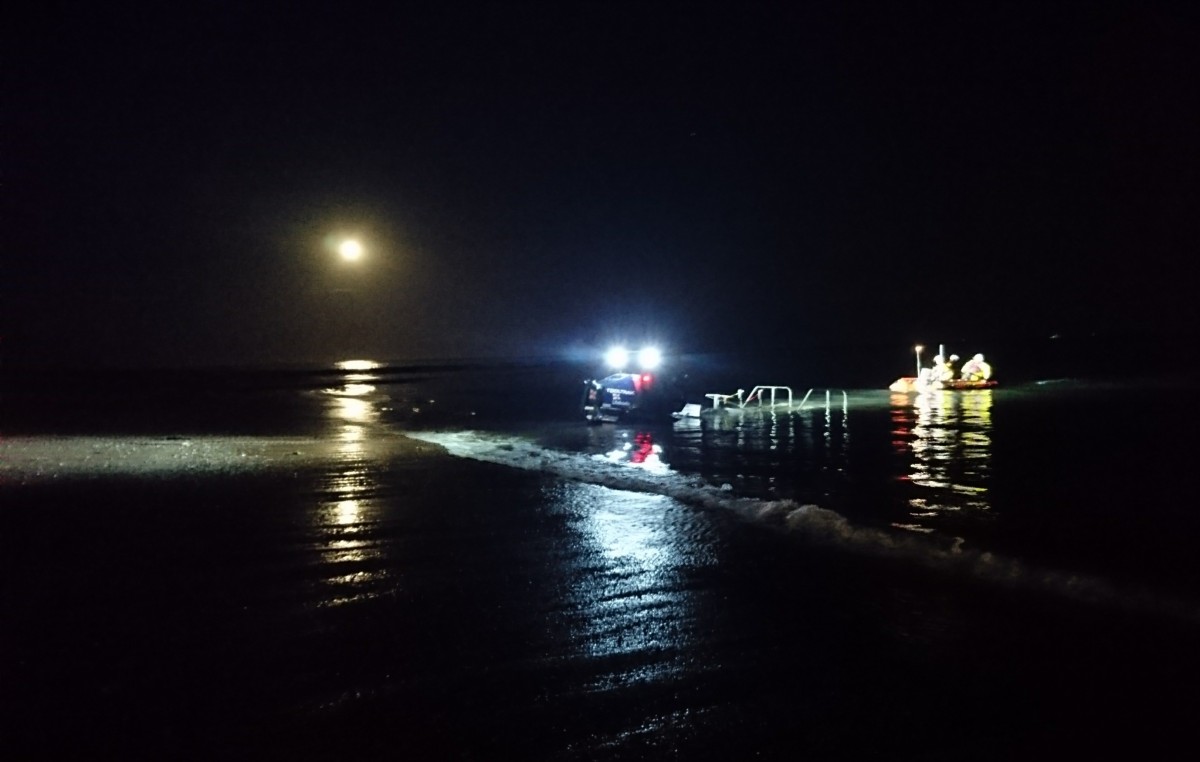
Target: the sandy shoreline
(32, 459)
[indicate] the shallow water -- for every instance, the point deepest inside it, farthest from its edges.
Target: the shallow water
(1077, 476)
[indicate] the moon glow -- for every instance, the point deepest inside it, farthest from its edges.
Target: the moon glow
(351, 250)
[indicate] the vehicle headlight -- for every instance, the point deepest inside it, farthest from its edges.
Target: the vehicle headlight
(617, 357)
(649, 358)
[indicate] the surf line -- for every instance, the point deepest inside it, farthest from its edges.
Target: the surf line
(809, 522)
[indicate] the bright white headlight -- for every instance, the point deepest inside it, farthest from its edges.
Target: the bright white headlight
(617, 357)
(649, 358)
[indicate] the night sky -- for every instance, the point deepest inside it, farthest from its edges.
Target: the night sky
(531, 179)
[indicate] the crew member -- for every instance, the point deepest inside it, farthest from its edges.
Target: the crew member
(941, 370)
(976, 369)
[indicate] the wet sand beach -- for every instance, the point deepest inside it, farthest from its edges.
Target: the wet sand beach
(369, 596)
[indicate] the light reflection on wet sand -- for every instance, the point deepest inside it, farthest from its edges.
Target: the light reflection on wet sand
(630, 609)
(636, 602)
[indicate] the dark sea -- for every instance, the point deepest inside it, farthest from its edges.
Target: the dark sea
(997, 574)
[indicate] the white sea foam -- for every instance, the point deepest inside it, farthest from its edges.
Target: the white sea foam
(809, 522)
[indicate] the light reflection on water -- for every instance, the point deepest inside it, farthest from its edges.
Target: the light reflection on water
(919, 463)
(773, 454)
(350, 557)
(943, 440)
(642, 452)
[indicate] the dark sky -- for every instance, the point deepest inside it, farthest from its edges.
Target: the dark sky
(531, 178)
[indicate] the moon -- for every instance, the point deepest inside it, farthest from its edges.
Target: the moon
(351, 250)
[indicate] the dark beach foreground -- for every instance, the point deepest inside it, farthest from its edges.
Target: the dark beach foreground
(363, 596)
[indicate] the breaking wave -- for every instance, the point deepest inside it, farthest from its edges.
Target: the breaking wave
(808, 522)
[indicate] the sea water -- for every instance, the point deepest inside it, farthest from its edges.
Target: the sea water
(1087, 476)
(1081, 478)
(937, 576)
